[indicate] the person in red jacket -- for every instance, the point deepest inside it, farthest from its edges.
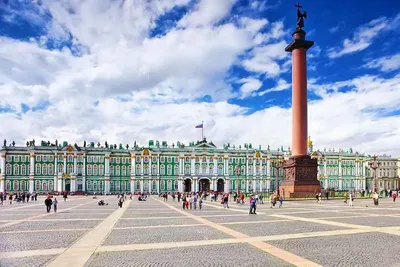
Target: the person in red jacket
(394, 196)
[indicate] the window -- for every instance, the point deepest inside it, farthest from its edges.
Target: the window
(70, 168)
(138, 159)
(95, 170)
(187, 169)
(146, 169)
(137, 185)
(112, 160)
(219, 159)
(70, 158)
(154, 160)
(176, 185)
(101, 170)
(230, 160)
(197, 159)
(176, 171)
(89, 159)
(50, 170)
(16, 169)
(258, 170)
(51, 158)
(220, 169)
(204, 169)
(161, 159)
(8, 158)
(129, 169)
(60, 158)
(117, 170)
(123, 160)
(80, 158)
(44, 186)
(169, 170)
(123, 170)
(44, 169)
(154, 169)
(96, 159)
(264, 170)
(38, 158)
(60, 168)
(146, 160)
(80, 168)
(23, 169)
(16, 158)
(37, 169)
(89, 185)
(250, 171)
(112, 170)
(169, 159)
(230, 170)
(176, 160)
(138, 169)
(187, 159)
(197, 169)
(89, 170)
(37, 186)
(162, 168)
(44, 158)
(211, 169)
(204, 159)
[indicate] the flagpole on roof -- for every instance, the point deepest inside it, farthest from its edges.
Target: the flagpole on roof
(202, 130)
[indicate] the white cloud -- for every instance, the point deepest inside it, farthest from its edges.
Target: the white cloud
(207, 13)
(148, 88)
(249, 85)
(364, 36)
(388, 63)
(280, 86)
(333, 29)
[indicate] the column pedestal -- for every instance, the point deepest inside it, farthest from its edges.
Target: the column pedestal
(2, 185)
(31, 184)
(300, 174)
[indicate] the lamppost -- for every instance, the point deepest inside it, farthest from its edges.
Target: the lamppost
(374, 165)
(277, 164)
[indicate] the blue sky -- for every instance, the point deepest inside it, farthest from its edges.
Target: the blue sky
(84, 70)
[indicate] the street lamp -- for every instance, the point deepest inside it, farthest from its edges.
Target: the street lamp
(374, 165)
(277, 164)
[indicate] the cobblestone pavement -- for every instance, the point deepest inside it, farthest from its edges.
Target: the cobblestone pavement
(158, 233)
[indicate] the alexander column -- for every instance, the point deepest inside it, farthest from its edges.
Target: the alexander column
(300, 171)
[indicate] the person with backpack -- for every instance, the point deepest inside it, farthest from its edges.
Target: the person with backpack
(48, 202)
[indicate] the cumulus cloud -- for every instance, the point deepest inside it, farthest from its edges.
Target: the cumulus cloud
(125, 85)
(389, 63)
(364, 36)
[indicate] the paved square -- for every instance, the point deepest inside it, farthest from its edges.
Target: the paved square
(158, 233)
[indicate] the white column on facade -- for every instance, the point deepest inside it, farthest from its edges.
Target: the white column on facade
(133, 165)
(132, 181)
(181, 163)
(141, 182)
(340, 168)
(150, 168)
(3, 164)
(269, 185)
(254, 168)
(268, 168)
(141, 169)
(193, 185)
(75, 164)
(158, 186)
(215, 170)
(192, 164)
(32, 163)
(55, 172)
(180, 185)
(65, 163)
(59, 183)
(84, 173)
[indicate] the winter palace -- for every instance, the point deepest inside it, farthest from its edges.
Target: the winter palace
(161, 167)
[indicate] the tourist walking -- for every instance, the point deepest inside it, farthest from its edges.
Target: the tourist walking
(253, 205)
(55, 204)
(226, 200)
(394, 196)
(351, 197)
(280, 201)
(48, 202)
(120, 202)
(194, 202)
(376, 198)
(201, 202)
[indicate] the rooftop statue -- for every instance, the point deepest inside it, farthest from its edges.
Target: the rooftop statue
(300, 17)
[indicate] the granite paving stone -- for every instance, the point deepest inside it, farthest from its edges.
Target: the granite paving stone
(241, 218)
(172, 221)
(33, 241)
(279, 228)
(210, 256)
(36, 261)
(376, 221)
(45, 225)
(358, 250)
(160, 235)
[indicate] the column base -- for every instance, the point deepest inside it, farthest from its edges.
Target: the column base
(300, 174)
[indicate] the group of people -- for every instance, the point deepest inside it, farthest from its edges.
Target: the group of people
(20, 197)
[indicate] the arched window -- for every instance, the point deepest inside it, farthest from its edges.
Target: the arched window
(211, 168)
(112, 170)
(101, 170)
(70, 159)
(258, 170)
(129, 169)
(37, 186)
(176, 171)
(50, 170)
(16, 186)
(250, 170)
(123, 170)
(204, 159)
(230, 170)
(117, 171)
(221, 169)
(44, 186)
(8, 186)
(138, 170)
(146, 169)
(197, 159)
(204, 169)
(51, 188)
(95, 170)
(187, 169)
(23, 169)
(89, 184)
(169, 170)
(70, 168)
(162, 169)
(16, 169)
(89, 170)
(44, 169)
(197, 169)
(80, 168)
(37, 172)
(60, 168)
(154, 169)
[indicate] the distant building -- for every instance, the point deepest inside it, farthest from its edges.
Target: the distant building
(160, 167)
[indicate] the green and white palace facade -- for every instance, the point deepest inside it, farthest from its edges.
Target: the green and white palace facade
(159, 167)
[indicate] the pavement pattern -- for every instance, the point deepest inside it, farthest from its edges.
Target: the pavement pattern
(159, 233)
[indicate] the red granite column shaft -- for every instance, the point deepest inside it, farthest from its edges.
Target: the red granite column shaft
(299, 102)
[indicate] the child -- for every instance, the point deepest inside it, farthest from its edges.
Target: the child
(55, 203)
(200, 203)
(280, 201)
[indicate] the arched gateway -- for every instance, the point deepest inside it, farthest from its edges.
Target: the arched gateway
(187, 185)
(204, 184)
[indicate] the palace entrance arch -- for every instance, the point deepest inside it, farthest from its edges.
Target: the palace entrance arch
(187, 185)
(220, 185)
(204, 185)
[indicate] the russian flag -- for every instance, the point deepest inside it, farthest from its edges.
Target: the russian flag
(199, 126)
